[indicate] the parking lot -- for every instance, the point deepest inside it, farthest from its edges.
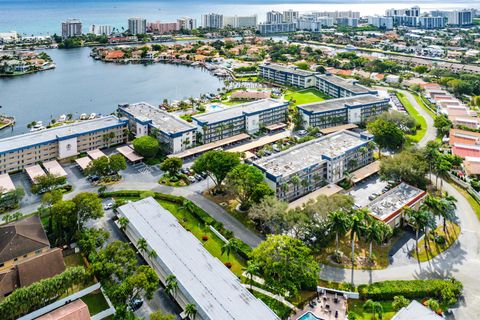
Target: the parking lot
(364, 191)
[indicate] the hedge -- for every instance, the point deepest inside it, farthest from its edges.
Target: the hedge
(195, 210)
(410, 289)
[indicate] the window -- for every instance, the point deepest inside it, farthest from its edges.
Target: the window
(69, 147)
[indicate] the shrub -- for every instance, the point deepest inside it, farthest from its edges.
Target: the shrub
(146, 146)
(413, 289)
(205, 238)
(399, 302)
(440, 240)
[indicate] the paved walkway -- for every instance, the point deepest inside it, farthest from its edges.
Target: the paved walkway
(273, 296)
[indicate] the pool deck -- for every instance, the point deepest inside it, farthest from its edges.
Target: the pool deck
(325, 308)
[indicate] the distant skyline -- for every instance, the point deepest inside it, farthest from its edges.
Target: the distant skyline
(44, 16)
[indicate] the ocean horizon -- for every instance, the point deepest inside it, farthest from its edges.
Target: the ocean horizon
(43, 17)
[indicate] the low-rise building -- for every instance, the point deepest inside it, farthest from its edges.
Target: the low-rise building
(338, 87)
(288, 76)
(389, 207)
(145, 119)
(243, 118)
(76, 310)
(66, 141)
(202, 279)
(309, 166)
(416, 310)
(334, 112)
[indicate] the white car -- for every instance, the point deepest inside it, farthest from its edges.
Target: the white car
(108, 206)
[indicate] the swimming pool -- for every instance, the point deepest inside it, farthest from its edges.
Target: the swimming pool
(215, 107)
(308, 316)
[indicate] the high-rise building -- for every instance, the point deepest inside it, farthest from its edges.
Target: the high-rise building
(381, 22)
(460, 18)
(411, 12)
(162, 27)
(187, 23)
(100, 29)
(427, 22)
(240, 21)
(137, 25)
(274, 17)
(338, 14)
(71, 28)
(212, 21)
(347, 22)
(290, 16)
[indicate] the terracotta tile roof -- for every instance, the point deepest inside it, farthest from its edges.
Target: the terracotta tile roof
(21, 237)
(472, 166)
(464, 137)
(116, 54)
(465, 151)
(76, 310)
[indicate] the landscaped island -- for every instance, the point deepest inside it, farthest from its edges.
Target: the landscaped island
(21, 63)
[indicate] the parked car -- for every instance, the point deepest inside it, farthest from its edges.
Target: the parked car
(108, 206)
(135, 304)
(191, 179)
(198, 177)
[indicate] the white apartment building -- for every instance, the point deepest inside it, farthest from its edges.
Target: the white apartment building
(187, 23)
(212, 21)
(101, 29)
(240, 21)
(137, 25)
(71, 28)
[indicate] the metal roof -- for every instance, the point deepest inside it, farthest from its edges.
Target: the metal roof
(344, 83)
(215, 290)
(296, 71)
(340, 103)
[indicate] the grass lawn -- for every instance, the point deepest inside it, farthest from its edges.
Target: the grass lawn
(356, 306)
(434, 249)
(305, 96)
(96, 302)
(279, 308)
(473, 203)
(413, 113)
(74, 260)
(361, 253)
(423, 105)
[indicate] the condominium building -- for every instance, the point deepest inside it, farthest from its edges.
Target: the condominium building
(162, 27)
(202, 279)
(274, 17)
(187, 23)
(338, 14)
(354, 109)
(290, 16)
(212, 21)
(281, 27)
(145, 119)
(428, 22)
(71, 28)
(460, 18)
(240, 21)
(20, 151)
(137, 25)
(338, 87)
(381, 22)
(411, 12)
(309, 166)
(348, 22)
(243, 118)
(101, 29)
(288, 76)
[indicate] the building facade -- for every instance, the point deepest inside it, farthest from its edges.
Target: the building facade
(427, 22)
(240, 21)
(71, 28)
(243, 118)
(101, 30)
(309, 166)
(281, 27)
(381, 22)
(144, 119)
(61, 142)
(354, 109)
(137, 25)
(338, 87)
(288, 76)
(162, 27)
(212, 21)
(187, 23)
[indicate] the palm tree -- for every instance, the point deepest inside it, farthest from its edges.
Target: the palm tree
(448, 203)
(373, 233)
(339, 222)
(142, 245)
(443, 168)
(232, 246)
(431, 154)
(374, 307)
(152, 254)
(251, 270)
(171, 285)
(420, 220)
(357, 227)
(191, 310)
(123, 222)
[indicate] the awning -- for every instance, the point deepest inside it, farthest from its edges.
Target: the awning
(54, 168)
(129, 153)
(83, 162)
(209, 146)
(34, 172)
(95, 154)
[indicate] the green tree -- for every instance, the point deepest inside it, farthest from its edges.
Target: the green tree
(10, 199)
(408, 166)
(286, 264)
(142, 282)
(242, 181)
(88, 206)
(339, 222)
(146, 146)
(387, 134)
(399, 302)
(443, 124)
(91, 240)
(47, 182)
(106, 166)
(123, 222)
(64, 222)
(160, 315)
(374, 307)
(420, 221)
(116, 261)
(191, 311)
(172, 165)
(231, 247)
(261, 191)
(377, 232)
(171, 285)
(433, 305)
(270, 214)
(217, 164)
(251, 270)
(357, 227)
(142, 245)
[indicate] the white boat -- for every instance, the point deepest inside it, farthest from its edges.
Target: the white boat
(92, 116)
(38, 126)
(83, 116)
(62, 118)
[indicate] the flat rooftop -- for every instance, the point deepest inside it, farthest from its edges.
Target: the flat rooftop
(161, 120)
(238, 110)
(280, 68)
(310, 153)
(389, 204)
(53, 134)
(344, 83)
(340, 103)
(215, 290)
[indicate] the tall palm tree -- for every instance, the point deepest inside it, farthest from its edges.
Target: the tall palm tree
(443, 168)
(431, 154)
(142, 245)
(339, 222)
(191, 310)
(448, 204)
(419, 219)
(357, 227)
(251, 270)
(152, 254)
(232, 246)
(373, 233)
(171, 285)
